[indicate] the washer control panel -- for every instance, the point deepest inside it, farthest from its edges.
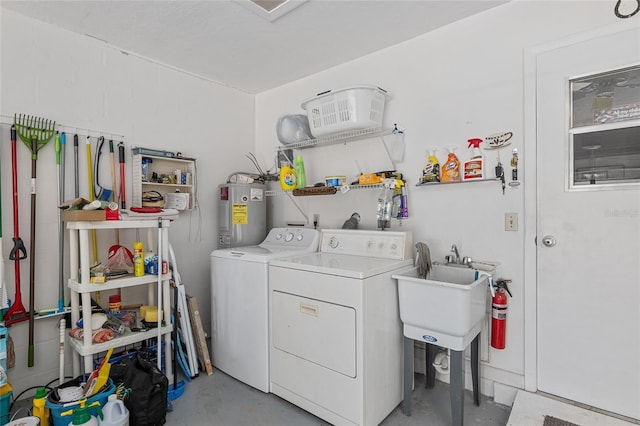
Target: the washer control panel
(291, 238)
(381, 244)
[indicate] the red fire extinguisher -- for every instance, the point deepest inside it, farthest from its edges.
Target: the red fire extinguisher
(499, 314)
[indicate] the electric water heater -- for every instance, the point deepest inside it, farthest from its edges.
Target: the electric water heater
(242, 214)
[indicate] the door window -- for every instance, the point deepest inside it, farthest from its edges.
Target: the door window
(604, 129)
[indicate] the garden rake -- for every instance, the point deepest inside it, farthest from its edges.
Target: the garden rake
(35, 132)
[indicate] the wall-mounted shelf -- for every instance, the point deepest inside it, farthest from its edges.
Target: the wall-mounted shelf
(275, 192)
(334, 139)
(145, 166)
(343, 137)
(462, 181)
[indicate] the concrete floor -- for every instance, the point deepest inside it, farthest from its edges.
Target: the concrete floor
(221, 400)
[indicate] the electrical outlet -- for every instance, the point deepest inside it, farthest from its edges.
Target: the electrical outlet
(511, 221)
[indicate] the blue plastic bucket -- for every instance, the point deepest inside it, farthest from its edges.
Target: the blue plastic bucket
(57, 409)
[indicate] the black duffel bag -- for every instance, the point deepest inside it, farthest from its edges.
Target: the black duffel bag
(147, 389)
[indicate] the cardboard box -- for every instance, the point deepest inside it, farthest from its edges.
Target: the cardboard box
(83, 215)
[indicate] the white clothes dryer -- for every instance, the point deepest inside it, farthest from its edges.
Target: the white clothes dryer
(336, 334)
(240, 305)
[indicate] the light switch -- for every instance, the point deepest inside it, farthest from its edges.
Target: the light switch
(511, 221)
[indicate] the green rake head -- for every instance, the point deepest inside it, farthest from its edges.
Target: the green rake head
(35, 132)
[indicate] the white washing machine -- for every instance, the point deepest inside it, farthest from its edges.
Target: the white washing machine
(240, 304)
(336, 335)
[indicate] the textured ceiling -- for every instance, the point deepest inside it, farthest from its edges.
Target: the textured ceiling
(226, 42)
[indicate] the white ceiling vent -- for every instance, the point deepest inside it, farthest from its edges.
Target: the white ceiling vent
(270, 10)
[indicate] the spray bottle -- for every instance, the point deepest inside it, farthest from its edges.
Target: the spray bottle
(431, 172)
(82, 415)
(474, 167)
(385, 204)
(451, 168)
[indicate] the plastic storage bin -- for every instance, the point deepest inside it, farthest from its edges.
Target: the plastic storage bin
(336, 111)
(5, 403)
(57, 409)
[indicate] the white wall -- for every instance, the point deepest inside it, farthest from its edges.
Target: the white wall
(459, 82)
(81, 82)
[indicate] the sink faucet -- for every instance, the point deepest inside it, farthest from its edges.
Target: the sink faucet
(454, 250)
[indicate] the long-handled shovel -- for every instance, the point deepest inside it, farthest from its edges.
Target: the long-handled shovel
(17, 312)
(35, 132)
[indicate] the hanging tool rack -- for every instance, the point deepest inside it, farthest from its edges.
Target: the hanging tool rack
(69, 131)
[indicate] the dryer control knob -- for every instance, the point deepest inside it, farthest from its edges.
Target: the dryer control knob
(278, 236)
(289, 237)
(300, 237)
(333, 242)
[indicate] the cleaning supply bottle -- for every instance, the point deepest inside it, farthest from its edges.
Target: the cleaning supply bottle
(287, 176)
(301, 179)
(385, 204)
(431, 172)
(82, 414)
(138, 259)
(39, 409)
(473, 168)
(450, 171)
(114, 413)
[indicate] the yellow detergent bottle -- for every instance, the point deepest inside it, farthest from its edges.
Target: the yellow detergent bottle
(450, 171)
(287, 176)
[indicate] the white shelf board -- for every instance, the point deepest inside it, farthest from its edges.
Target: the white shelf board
(128, 339)
(115, 283)
(118, 224)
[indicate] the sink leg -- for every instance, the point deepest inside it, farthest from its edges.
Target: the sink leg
(430, 370)
(456, 368)
(475, 368)
(408, 375)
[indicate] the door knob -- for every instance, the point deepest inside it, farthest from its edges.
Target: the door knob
(549, 240)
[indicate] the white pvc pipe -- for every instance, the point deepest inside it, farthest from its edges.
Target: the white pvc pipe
(63, 326)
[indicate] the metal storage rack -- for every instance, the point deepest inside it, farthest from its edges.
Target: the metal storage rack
(341, 138)
(81, 288)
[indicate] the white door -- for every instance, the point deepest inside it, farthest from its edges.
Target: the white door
(588, 224)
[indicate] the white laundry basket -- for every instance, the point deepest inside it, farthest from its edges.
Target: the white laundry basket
(336, 111)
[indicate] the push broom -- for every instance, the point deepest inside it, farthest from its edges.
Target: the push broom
(35, 132)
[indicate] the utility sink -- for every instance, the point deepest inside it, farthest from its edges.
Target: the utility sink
(452, 301)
